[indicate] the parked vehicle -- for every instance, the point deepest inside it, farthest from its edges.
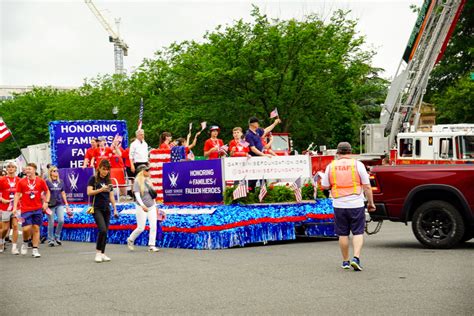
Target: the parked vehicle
(437, 199)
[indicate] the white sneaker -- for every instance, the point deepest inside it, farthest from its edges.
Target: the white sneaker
(15, 250)
(153, 249)
(98, 257)
(24, 249)
(35, 253)
(105, 258)
(130, 244)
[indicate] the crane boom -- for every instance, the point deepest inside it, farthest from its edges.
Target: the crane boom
(425, 47)
(120, 47)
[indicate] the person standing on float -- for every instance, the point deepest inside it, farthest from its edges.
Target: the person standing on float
(102, 152)
(212, 146)
(29, 192)
(146, 209)
(138, 151)
(100, 188)
(7, 196)
(348, 181)
(89, 155)
(165, 141)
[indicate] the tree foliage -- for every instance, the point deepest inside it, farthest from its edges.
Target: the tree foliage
(316, 73)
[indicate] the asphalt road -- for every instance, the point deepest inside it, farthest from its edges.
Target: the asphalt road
(301, 277)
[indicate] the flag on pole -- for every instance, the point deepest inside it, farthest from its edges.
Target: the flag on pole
(224, 149)
(263, 190)
(140, 115)
(296, 187)
(274, 113)
(203, 125)
(240, 190)
(190, 127)
(4, 131)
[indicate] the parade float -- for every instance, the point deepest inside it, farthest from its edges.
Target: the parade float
(202, 212)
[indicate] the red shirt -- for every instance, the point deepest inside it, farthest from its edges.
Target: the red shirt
(7, 190)
(31, 193)
(126, 157)
(89, 155)
(239, 149)
(116, 161)
(165, 146)
(210, 143)
(102, 153)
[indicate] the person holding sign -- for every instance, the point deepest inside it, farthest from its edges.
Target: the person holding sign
(212, 146)
(28, 192)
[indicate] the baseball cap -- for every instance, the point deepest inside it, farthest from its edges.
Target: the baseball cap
(344, 148)
(253, 119)
(143, 167)
(214, 128)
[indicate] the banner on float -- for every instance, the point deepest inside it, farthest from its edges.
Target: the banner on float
(71, 139)
(276, 167)
(191, 182)
(75, 183)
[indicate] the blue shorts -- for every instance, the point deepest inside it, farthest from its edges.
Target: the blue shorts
(32, 218)
(349, 220)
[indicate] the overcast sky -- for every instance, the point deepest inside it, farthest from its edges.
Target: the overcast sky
(61, 42)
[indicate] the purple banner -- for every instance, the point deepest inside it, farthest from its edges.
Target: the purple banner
(75, 183)
(70, 139)
(197, 181)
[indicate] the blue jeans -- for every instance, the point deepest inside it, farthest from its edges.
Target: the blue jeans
(59, 211)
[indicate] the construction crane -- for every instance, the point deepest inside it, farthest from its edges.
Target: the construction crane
(120, 47)
(425, 48)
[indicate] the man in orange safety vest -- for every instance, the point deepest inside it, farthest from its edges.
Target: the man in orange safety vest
(348, 180)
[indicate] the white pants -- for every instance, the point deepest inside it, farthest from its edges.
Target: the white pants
(141, 221)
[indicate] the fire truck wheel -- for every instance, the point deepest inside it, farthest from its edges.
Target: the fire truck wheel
(437, 224)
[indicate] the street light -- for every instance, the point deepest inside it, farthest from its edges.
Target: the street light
(115, 111)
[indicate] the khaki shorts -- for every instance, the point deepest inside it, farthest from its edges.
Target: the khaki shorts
(6, 216)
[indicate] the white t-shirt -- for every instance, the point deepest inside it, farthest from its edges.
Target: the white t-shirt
(139, 151)
(350, 201)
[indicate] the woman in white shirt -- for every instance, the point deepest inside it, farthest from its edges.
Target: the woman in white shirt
(145, 196)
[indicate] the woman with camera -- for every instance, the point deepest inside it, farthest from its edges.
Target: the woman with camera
(57, 204)
(101, 189)
(145, 196)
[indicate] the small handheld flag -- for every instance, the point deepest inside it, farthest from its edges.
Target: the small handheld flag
(203, 125)
(274, 113)
(263, 190)
(240, 191)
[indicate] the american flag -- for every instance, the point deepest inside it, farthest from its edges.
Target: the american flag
(240, 191)
(203, 125)
(263, 190)
(224, 149)
(296, 187)
(274, 113)
(4, 131)
(140, 115)
(244, 143)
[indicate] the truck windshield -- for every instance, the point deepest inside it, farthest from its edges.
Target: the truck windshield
(280, 142)
(467, 147)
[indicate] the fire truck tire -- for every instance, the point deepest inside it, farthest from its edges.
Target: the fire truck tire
(437, 224)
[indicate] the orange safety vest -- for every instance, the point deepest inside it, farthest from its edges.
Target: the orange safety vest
(344, 178)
